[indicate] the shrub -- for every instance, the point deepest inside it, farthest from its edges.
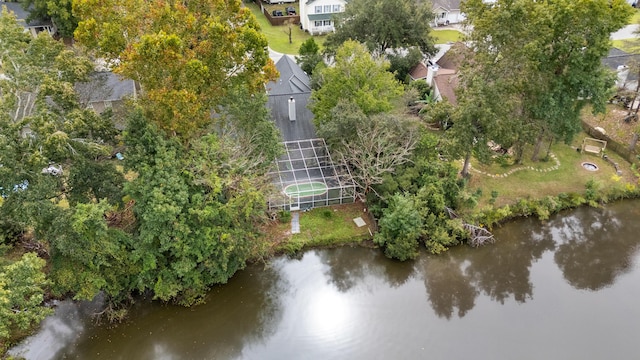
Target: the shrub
(284, 216)
(400, 228)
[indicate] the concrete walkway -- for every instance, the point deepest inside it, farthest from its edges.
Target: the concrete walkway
(295, 222)
(275, 56)
(627, 32)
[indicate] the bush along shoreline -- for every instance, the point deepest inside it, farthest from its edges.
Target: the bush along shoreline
(595, 195)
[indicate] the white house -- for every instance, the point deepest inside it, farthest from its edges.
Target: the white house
(447, 12)
(34, 26)
(316, 16)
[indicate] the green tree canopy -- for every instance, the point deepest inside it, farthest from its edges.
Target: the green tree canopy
(383, 25)
(187, 56)
(22, 286)
(543, 58)
(310, 56)
(358, 76)
(400, 228)
(59, 11)
(196, 209)
(44, 132)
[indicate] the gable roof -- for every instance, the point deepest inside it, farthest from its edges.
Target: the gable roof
(452, 59)
(447, 4)
(447, 79)
(447, 83)
(292, 79)
(22, 14)
(419, 71)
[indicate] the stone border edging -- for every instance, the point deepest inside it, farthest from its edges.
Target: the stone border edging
(504, 175)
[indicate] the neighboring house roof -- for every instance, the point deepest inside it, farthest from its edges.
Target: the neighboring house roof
(105, 86)
(452, 59)
(447, 83)
(22, 14)
(447, 4)
(419, 71)
(617, 57)
(292, 79)
(446, 79)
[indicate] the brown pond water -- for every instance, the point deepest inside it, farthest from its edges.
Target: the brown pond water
(568, 288)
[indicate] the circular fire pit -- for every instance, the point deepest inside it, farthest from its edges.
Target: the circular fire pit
(590, 166)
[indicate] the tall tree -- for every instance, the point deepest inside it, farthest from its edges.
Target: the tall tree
(22, 286)
(41, 122)
(196, 210)
(309, 56)
(358, 76)
(187, 56)
(377, 147)
(383, 25)
(89, 256)
(547, 53)
(400, 228)
(401, 63)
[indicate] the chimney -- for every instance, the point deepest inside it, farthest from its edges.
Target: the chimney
(432, 71)
(292, 109)
(623, 73)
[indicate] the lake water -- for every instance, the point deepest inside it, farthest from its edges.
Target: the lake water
(568, 288)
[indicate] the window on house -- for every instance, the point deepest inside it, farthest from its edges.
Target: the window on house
(327, 9)
(318, 9)
(327, 23)
(317, 23)
(443, 15)
(336, 8)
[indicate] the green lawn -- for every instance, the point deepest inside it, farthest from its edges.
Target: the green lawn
(277, 35)
(635, 19)
(629, 45)
(569, 177)
(445, 36)
(328, 226)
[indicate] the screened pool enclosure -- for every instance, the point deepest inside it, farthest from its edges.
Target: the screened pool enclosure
(305, 177)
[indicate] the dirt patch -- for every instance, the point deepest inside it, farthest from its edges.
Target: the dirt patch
(613, 123)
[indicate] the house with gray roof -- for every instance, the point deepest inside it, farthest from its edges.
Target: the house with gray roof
(106, 90)
(288, 99)
(33, 27)
(447, 12)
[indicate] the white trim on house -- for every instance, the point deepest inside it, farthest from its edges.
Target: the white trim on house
(316, 16)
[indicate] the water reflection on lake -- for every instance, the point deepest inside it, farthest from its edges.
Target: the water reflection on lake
(565, 289)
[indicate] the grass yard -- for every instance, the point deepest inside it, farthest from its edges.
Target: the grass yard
(629, 45)
(445, 36)
(569, 177)
(276, 35)
(635, 19)
(327, 226)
